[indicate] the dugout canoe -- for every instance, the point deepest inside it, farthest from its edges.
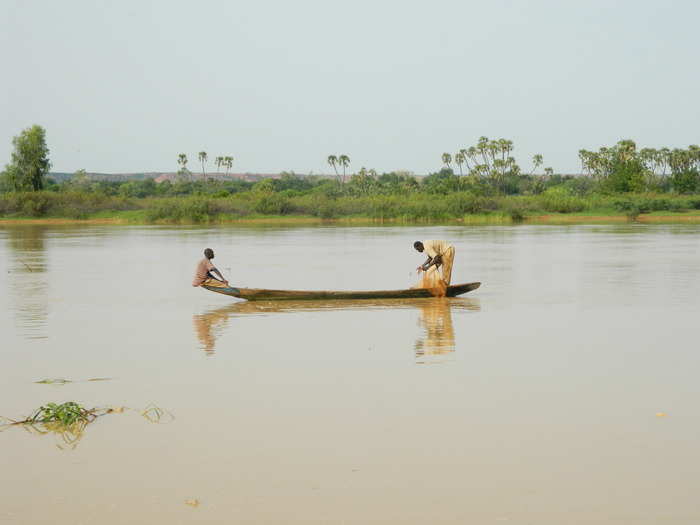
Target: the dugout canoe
(261, 294)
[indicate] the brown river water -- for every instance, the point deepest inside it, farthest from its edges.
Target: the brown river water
(564, 391)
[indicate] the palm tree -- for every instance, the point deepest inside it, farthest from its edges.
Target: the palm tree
(493, 148)
(482, 147)
(536, 162)
(182, 161)
(203, 159)
(446, 159)
(465, 158)
(332, 161)
(694, 152)
(472, 153)
(219, 162)
(459, 160)
(344, 161)
(228, 162)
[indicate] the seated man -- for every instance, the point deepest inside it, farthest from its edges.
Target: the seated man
(441, 255)
(204, 274)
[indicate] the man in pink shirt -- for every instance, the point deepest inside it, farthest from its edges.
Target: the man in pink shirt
(206, 270)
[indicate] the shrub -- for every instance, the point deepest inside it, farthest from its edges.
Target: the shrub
(633, 213)
(459, 204)
(327, 210)
(559, 200)
(35, 204)
(686, 181)
(273, 204)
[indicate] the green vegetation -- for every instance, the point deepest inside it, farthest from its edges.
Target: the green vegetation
(66, 413)
(622, 169)
(213, 207)
(619, 181)
(61, 381)
(66, 420)
(69, 420)
(30, 162)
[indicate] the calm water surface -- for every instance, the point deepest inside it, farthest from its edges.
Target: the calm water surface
(533, 400)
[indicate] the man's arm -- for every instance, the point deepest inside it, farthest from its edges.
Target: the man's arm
(217, 272)
(424, 267)
(432, 261)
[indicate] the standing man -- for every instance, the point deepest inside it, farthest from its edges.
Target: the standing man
(205, 271)
(441, 255)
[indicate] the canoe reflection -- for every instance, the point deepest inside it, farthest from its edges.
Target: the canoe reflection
(435, 318)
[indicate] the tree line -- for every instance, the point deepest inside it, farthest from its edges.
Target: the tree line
(203, 157)
(623, 168)
(487, 168)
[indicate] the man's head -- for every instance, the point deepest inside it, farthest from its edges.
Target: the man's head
(418, 246)
(209, 253)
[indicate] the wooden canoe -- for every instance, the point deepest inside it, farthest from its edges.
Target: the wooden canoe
(260, 294)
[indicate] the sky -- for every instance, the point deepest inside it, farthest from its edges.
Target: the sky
(126, 86)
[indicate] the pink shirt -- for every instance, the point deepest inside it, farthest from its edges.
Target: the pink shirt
(200, 274)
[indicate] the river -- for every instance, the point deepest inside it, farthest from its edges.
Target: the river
(563, 391)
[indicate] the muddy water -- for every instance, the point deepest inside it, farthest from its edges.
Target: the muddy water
(564, 391)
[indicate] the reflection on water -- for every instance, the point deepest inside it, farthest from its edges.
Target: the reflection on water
(435, 318)
(209, 325)
(66, 437)
(438, 337)
(28, 280)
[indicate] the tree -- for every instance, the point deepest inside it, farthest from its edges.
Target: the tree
(536, 162)
(219, 162)
(182, 162)
(80, 179)
(446, 159)
(203, 159)
(619, 168)
(344, 161)
(364, 181)
(466, 156)
(491, 161)
(228, 163)
(30, 161)
(459, 160)
(332, 161)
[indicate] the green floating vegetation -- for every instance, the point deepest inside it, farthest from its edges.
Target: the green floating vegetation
(61, 381)
(69, 420)
(66, 414)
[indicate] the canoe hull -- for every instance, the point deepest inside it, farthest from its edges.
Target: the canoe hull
(261, 294)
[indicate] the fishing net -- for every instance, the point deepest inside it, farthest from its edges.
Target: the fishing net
(432, 280)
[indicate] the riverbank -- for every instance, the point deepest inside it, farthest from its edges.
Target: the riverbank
(136, 218)
(555, 206)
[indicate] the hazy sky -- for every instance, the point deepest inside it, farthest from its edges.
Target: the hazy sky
(124, 86)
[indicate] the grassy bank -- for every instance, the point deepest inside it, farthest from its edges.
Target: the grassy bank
(549, 207)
